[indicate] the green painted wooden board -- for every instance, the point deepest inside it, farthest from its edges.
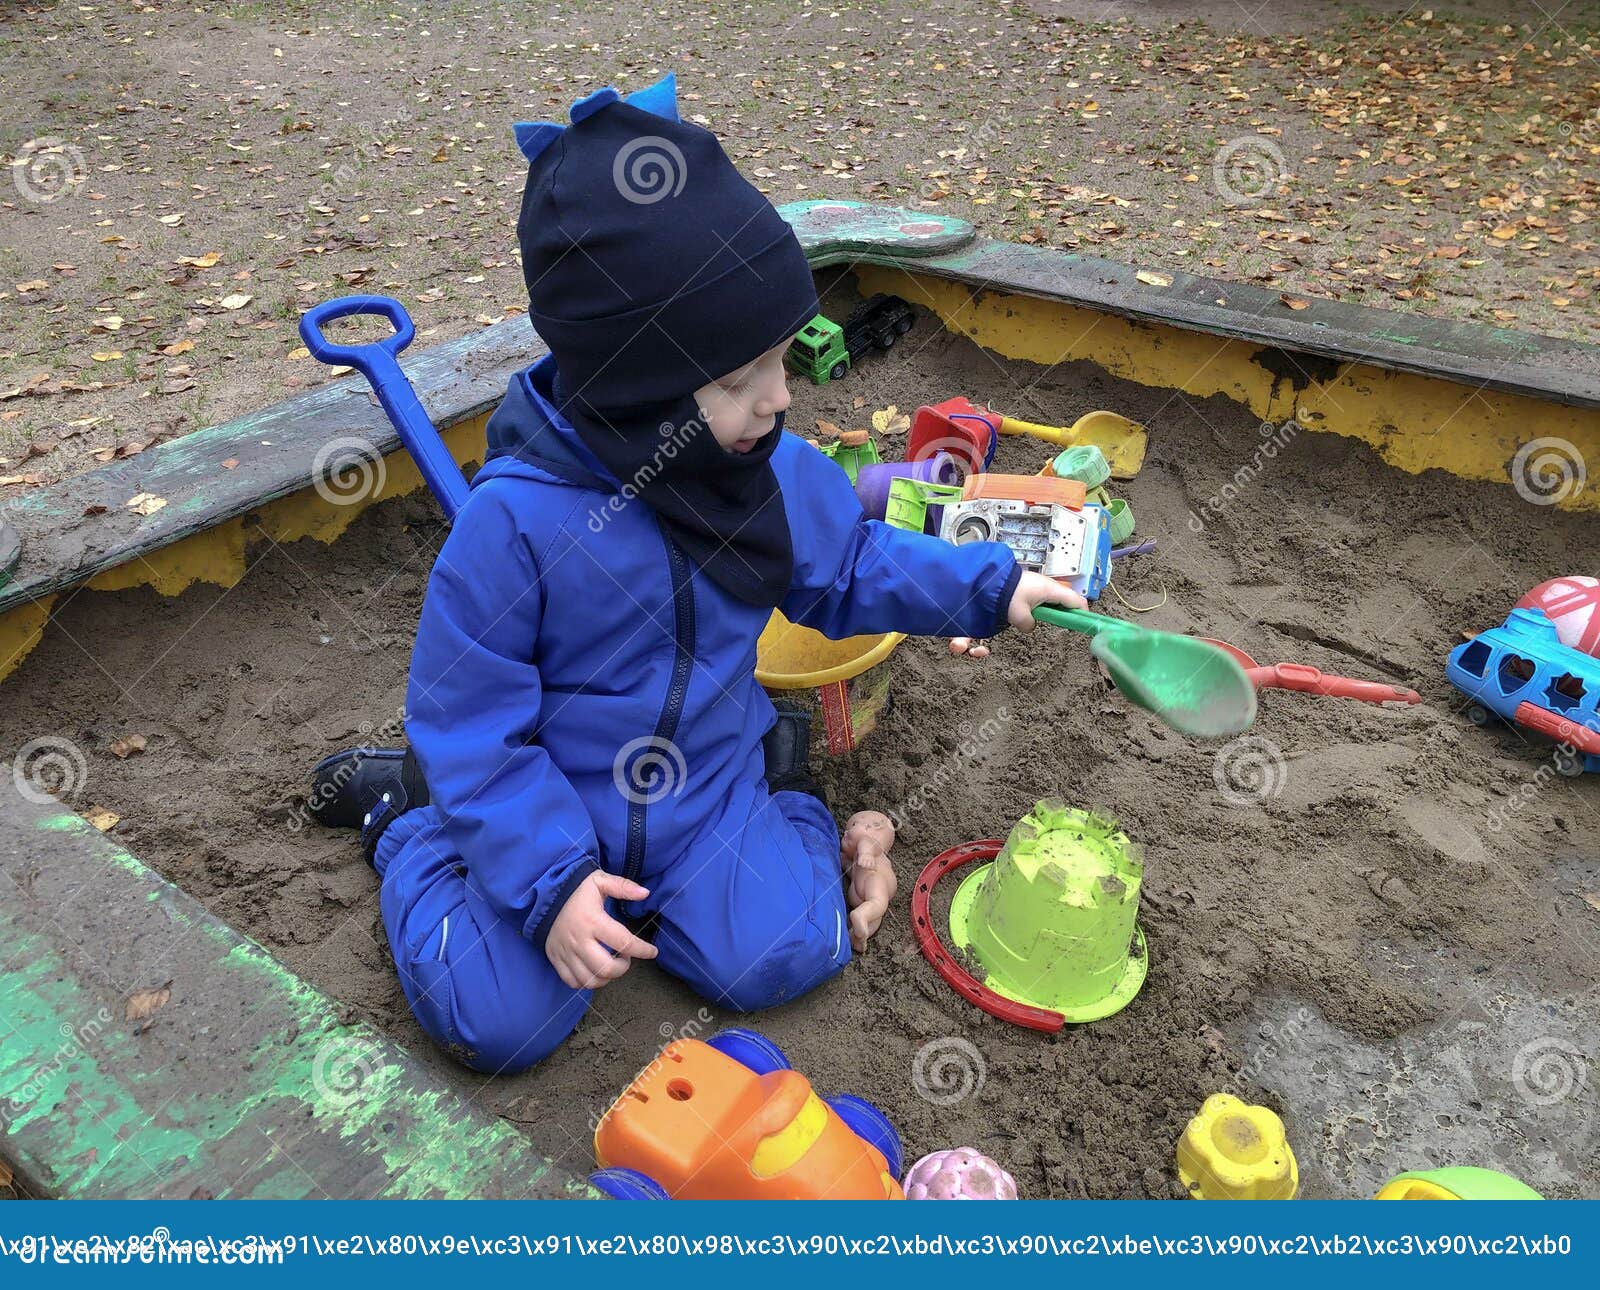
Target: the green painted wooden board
(81, 526)
(244, 1083)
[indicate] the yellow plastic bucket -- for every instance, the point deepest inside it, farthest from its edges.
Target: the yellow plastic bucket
(847, 679)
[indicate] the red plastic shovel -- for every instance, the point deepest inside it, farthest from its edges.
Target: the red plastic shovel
(1308, 680)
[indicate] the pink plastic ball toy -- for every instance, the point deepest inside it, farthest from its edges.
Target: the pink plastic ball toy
(958, 1174)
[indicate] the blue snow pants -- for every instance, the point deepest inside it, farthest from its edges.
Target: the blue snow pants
(750, 916)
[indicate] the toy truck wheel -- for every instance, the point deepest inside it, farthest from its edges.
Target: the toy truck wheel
(750, 1049)
(837, 371)
(886, 339)
(1479, 715)
(627, 1184)
(871, 1126)
(1568, 761)
(902, 324)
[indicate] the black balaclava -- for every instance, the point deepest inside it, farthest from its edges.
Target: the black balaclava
(654, 268)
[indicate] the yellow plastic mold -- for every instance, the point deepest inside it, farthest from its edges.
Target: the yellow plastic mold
(1234, 1151)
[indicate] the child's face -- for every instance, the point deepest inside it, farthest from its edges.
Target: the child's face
(741, 408)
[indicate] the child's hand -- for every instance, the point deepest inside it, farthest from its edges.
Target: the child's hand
(864, 853)
(1032, 589)
(583, 935)
(1036, 589)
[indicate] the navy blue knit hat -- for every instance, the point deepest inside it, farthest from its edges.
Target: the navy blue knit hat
(653, 266)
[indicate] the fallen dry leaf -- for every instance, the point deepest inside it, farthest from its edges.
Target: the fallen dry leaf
(1151, 278)
(827, 429)
(206, 261)
(142, 1005)
(238, 300)
(111, 322)
(106, 355)
(1591, 898)
(1294, 302)
(178, 347)
(230, 463)
(890, 420)
(145, 503)
(101, 818)
(127, 746)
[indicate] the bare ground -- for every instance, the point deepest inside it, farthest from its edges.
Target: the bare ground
(189, 178)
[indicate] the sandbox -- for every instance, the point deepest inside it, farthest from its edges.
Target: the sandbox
(1381, 921)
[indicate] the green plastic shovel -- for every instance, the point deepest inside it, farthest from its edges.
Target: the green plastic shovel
(1189, 683)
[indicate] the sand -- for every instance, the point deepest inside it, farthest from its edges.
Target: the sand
(1370, 918)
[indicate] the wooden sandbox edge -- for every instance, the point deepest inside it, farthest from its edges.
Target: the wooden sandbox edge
(148, 1050)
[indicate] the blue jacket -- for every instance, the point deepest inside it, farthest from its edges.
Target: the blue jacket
(578, 698)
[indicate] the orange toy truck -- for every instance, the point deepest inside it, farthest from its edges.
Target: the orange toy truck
(728, 1119)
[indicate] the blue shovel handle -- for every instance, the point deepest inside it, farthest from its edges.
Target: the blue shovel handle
(379, 363)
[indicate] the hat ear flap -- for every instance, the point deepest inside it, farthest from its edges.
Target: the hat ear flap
(660, 99)
(533, 137)
(584, 108)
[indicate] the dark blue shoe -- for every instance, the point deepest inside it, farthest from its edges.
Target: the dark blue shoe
(346, 786)
(786, 750)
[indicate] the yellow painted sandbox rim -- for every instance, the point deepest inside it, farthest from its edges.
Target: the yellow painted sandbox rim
(796, 658)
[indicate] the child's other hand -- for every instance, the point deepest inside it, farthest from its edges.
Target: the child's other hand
(583, 935)
(1036, 589)
(966, 647)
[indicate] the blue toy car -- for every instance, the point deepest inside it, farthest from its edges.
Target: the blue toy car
(1523, 674)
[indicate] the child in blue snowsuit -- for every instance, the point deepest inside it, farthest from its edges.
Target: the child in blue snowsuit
(591, 778)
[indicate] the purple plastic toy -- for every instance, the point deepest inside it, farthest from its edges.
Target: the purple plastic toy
(958, 1174)
(872, 482)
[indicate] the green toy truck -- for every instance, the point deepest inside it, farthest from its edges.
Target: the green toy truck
(824, 351)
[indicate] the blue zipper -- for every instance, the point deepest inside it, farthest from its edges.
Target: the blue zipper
(677, 692)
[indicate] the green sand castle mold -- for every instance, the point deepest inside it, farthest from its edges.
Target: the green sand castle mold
(1053, 920)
